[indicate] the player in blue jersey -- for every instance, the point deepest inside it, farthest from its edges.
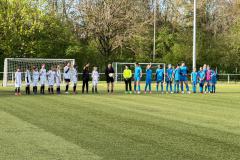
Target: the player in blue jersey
(176, 77)
(194, 79)
(214, 80)
(184, 78)
(148, 79)
(137, 78)
(160, 77)
(169, 76)
(201, 78)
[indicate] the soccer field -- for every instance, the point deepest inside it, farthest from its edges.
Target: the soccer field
(121, 127)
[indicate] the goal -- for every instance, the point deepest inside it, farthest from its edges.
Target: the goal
(10, 65)
(119, 68)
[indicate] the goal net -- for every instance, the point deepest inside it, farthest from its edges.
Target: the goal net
(119, 68)
(11, 64)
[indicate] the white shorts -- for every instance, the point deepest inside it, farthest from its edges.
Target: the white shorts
(17, 85)
(58, 82)
(35, 83)
(94, 82)
(43, 81)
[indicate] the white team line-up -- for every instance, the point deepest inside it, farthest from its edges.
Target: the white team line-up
(175, 79)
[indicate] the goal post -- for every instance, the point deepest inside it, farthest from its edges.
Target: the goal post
(119, 68)
(10, 65)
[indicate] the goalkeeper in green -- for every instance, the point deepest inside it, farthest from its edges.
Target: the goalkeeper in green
(127, 75)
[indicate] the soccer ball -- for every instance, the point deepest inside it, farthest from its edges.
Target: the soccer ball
(111, 74)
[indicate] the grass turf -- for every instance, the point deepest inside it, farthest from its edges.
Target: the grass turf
(121, 127)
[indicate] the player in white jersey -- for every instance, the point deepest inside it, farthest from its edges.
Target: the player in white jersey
(58, 79)
(51, 79)
(67, 76)
(27, 80)
(18, 81)
(43, 78)
(74, 78)
(95, 79)
(35, 79)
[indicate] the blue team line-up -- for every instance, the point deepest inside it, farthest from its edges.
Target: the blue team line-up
(175, 79)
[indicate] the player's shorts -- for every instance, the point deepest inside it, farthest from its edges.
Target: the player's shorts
(43, 81)
(194, 83)
(202, 82)
(168, 80)
(184, 78)
(208, 81)
(136, 79)
(67, 80)
(176, 81)
(110, 80)
(94, 82)
(160, 80)
(148, 81)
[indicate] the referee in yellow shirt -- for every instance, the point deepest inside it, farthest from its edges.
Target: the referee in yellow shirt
(127, 75)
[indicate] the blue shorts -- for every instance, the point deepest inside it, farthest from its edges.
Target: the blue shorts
(202, 82)
(159, 80)
(137, 79)
(184, 78)
(148, 81)
(194, 83)
(208, 81)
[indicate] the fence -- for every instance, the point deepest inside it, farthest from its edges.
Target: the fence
(225, 78)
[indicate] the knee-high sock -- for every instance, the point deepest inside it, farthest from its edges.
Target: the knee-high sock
(182, 87)
(67, 88)
(187, 87)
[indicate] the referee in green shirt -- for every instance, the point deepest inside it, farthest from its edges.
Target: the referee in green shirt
(127, 75)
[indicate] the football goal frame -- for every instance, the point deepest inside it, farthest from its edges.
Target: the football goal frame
(10, 65)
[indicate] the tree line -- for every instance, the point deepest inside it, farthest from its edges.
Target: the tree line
(102, 31)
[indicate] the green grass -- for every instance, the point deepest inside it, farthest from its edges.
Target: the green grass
(121, 127)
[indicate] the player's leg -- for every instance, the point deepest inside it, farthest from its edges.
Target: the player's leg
(157, 85)
(108, 86)
(209, 87)
(146, 86)
(167, 85)
(139, 87)
(150, 87)
(130, 85)
(135, 85)
(170, 86)
(87, 86)
(83, 85)
(187, 86)
(201, 85)
(177, 86)
(74, 88)
(126, 85)
(112, 86)
(93, 86)
(182, 86)
(18, 91)
(67, 86)
(162, 87)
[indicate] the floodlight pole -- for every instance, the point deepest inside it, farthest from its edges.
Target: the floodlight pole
(154, 30)
(194, 33)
